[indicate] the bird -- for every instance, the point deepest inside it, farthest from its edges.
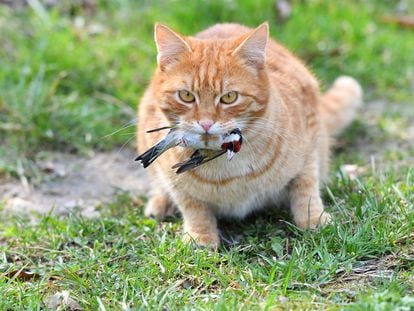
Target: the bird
(229, 143)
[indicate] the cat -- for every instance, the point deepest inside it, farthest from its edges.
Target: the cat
(230, 76)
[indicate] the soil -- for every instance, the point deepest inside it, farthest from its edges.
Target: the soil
(73, 183)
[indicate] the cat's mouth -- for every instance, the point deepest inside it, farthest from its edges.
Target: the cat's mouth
(210, 141)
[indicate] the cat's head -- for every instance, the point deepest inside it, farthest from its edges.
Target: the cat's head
(212, 85)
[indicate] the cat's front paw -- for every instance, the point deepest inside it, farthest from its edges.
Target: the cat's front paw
(316, 220)
(210, 240)
(159, 207)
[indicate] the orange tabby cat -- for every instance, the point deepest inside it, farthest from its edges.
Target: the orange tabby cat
(226, 77)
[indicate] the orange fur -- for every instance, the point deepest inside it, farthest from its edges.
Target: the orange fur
(286, 125)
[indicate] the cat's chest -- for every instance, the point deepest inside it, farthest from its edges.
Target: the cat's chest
(248, 177)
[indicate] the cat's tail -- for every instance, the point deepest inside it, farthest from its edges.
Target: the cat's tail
(340, 103)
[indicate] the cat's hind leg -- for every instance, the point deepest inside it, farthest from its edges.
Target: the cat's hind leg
(160, 206)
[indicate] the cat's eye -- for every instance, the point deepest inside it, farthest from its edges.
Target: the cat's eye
(186, 96)
(229, 98)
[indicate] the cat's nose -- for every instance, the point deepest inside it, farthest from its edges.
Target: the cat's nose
(206, 124)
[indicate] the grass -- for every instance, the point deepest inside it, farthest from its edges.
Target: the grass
(123, 259)
(71, 77)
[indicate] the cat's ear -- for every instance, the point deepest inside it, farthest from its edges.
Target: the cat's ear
(169, 45)
(253, 47)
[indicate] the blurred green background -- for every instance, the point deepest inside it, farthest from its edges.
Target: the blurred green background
(72, 72)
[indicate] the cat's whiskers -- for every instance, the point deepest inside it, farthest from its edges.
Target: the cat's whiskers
(125, 144)
(281, 132)
(254, 129)
(127, 134)
(270, 137)
(262, 140)
(124, 127)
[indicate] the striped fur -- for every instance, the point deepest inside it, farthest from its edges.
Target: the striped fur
(285, 121)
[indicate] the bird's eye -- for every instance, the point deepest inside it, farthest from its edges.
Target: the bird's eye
(186, 96)
(229, 98)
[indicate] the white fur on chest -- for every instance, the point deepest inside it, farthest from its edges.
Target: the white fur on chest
(247, 183)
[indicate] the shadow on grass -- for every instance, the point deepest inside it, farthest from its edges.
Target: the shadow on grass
(258, 226)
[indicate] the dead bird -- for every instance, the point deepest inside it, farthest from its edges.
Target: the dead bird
(205, 151)
(232, 145)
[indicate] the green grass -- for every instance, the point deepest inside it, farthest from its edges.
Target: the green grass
(68, 83)
(124, 258)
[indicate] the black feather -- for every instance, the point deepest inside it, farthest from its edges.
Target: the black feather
(159, 129)
(196, 159)
(149, 156)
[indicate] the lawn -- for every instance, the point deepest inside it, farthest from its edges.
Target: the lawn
(70, 78)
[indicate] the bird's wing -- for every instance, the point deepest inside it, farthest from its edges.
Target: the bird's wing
(198, 158)
(150, 155)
